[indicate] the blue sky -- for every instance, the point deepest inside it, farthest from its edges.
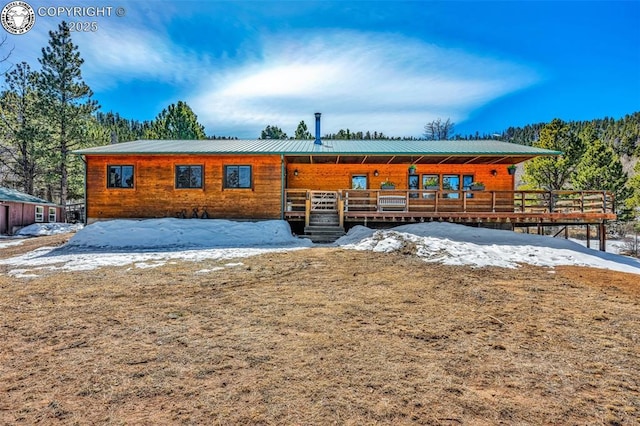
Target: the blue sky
(388, 66)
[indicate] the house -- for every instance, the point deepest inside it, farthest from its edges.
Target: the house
(18, 210)
(319, 184)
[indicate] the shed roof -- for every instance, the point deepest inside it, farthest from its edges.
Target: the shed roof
(12, 195)
(459, 151)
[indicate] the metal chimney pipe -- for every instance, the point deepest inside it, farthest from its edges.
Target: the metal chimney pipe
(318, 141)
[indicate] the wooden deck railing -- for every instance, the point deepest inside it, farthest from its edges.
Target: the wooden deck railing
(74, 212)
(426, 201)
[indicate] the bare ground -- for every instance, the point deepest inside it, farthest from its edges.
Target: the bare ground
(319, 336)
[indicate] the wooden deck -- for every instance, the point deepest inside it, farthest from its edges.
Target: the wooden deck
(562, 207)
(516, 208)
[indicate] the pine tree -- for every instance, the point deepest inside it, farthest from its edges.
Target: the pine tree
(553, 173)
(342, 134)
(66, 101)
(119, 129)
(273, 132)
(599, 167)
(633, 201)
(21, 147)
(302, 132)
(178, 121)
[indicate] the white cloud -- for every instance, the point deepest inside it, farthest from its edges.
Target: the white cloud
(361, 81)
(125, 53)
(122, 49)
(358, 80)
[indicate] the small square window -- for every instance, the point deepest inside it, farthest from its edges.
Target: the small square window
(237, 176)
(188, 177)
(359, 182)
(120, 177)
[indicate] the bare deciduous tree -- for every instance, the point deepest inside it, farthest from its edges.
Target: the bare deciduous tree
(438, 130)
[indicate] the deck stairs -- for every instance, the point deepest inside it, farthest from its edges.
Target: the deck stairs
(324, 227)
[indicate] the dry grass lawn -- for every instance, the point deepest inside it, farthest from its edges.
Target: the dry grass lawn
(319, 336)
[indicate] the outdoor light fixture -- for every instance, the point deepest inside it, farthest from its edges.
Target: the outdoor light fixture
(494, 172)
(375, 173)
(295, 172)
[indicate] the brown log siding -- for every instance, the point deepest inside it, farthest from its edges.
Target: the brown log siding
(333, 177)
(155, 195)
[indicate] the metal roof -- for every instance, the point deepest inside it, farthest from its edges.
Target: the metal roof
(328, 147)
(12, 195)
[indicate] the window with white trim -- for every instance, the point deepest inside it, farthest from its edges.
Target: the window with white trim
(39, 214)
(52, 214)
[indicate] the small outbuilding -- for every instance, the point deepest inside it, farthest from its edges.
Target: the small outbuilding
(18, 210)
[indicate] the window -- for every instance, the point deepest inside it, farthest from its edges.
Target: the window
(413, 181)
(359, 182)
(467, 180)
(237, 176)
(188, 176)
(39, 214)
(451, 183)
(52, 214)
(120, 177)
(430, 182)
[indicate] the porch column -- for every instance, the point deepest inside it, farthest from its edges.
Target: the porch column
(283, 185)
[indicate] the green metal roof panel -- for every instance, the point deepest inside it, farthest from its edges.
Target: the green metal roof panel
(308, 147)
(12, 195)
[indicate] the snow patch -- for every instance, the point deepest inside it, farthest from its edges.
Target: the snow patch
(452, 244)
(155, 242)
(42, 229)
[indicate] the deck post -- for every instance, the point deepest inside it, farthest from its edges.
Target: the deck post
(307, 209)
(588, 236)
(283, 185)
(603, 236)
(340, 210)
